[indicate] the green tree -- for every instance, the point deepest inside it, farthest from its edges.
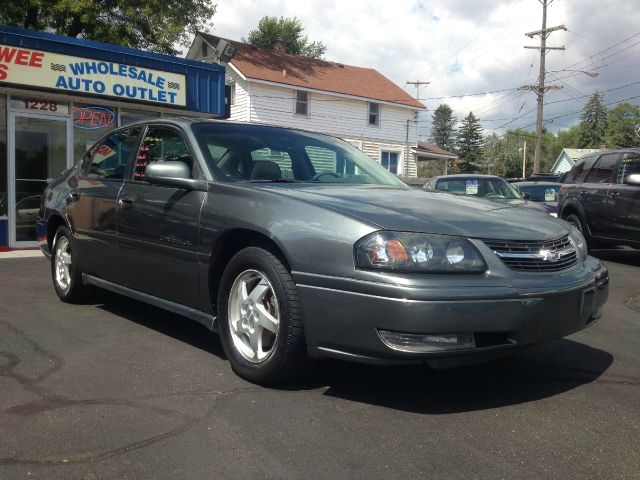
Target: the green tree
(271, 29)
(469, 143)
(623, 128)
(569, 138)
(443, 127)
(157, 25)
(593, 123)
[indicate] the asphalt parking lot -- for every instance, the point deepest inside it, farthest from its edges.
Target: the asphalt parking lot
(116, 389)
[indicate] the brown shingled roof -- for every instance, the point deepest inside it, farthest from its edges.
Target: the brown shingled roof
(431, 148)
(280, 67)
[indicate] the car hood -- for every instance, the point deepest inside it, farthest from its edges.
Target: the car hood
(404, 209)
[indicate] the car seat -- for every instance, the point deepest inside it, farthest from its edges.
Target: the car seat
(265, 170)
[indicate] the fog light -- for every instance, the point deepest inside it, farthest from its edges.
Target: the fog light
(421, 343)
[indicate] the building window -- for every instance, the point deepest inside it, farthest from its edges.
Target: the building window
(302, 103)
(232, 96)
(389, 160)
(374, 114)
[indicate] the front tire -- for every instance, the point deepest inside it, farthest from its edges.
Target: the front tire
(65, 271)
(260, 319)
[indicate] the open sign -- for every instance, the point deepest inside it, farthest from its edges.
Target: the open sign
(93, 118)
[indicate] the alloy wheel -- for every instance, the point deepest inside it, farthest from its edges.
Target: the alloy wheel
(254, 316)
(63, 263)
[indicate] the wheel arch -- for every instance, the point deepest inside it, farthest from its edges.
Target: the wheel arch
(54, 222)
(231, 242)
(575, 208)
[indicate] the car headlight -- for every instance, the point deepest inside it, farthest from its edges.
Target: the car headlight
(418, 252)
(579, 243)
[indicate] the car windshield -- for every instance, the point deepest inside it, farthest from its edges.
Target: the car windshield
(478, 187)
(258, 153)
(541, 193)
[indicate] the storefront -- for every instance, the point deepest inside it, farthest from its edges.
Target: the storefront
(58, 95)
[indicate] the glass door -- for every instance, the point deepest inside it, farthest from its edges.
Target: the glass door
(39, 149)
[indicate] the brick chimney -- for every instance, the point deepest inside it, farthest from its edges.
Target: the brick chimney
(279, 45)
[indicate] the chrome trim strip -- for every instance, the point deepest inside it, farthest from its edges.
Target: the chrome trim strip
(543, 255)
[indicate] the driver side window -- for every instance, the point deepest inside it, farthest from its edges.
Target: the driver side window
(161, 144)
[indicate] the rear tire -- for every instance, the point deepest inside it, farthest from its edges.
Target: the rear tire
(65, 271)
(260, 319)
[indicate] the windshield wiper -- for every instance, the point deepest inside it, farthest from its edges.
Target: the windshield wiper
(275, 180)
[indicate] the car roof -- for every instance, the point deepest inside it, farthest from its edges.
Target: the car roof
(533, 183)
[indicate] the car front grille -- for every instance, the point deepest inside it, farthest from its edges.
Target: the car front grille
(535, 256)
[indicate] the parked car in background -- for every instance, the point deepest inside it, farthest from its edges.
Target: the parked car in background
(601, 197)
(293, 245)
(544, 193)
(543, 177)
(489, 187)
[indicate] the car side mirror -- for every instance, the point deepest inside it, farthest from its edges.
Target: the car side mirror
(633, 179)
(173, 174)
(526, 196)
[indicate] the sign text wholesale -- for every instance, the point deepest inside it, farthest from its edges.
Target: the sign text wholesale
(33, 68)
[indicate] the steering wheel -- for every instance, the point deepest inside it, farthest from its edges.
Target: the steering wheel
(320, 175)
(491, 195)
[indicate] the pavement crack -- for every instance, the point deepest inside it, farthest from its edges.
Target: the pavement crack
(633, 302)
(217, 399)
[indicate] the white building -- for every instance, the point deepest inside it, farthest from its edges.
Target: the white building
(568, 158)
(357, 104)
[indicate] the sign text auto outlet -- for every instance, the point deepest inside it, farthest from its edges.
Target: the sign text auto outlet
(34, 68)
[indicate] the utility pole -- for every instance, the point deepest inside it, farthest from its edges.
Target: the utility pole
(540, 88)
(524, 160)
(417, 84)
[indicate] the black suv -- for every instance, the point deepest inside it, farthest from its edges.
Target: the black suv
(601, 197)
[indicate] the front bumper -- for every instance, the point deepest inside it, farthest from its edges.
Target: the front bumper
(347, 324)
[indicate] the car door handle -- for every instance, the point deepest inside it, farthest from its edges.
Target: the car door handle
(126, 201)
(614, 194)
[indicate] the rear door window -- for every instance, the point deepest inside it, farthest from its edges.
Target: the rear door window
(603, 169)
(109, 158)
(579, 171)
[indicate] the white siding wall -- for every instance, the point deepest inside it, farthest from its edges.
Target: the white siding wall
(240, 108)
(330, 114)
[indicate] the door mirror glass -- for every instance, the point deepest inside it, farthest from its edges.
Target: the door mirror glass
(526, 196)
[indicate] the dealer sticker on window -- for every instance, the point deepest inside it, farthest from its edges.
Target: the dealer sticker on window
(472, 187)
(549, 195)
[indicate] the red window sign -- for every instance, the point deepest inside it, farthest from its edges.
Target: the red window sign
(93, 118)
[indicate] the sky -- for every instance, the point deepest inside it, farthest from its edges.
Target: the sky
(471, 46)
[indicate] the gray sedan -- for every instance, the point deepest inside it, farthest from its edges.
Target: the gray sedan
(296, 246)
